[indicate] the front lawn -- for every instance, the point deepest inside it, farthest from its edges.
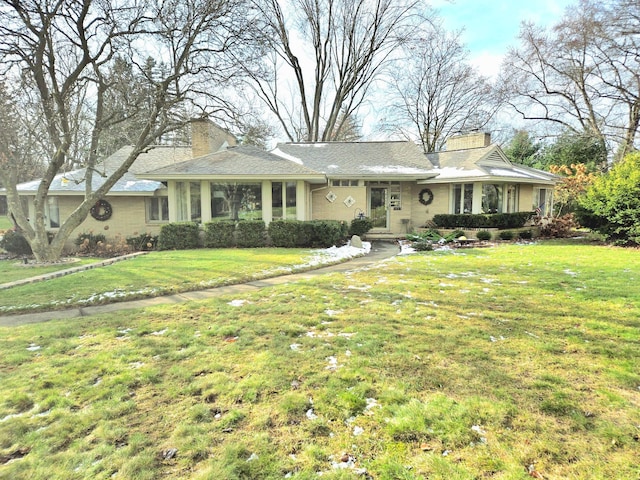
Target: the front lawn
(154, 274)
(514, 362)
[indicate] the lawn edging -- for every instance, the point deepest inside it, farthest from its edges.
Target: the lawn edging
(68, 271)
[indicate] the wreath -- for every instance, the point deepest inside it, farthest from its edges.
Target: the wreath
(425, 197)
(101, 211)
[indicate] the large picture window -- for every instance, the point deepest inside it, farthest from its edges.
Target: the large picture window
(236, 201)
(491, 198)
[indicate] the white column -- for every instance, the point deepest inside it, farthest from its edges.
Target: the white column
(173, 204)
(301, 200)
(477, 198)
(205, 200)
(267, 211)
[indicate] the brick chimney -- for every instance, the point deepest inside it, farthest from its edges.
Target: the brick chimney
(207, 137)
(468, 140)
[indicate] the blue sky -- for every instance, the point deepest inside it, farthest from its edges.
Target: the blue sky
(492, 26)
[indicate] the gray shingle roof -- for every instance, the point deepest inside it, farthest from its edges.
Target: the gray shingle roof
(236, 161)
(72, 182)
(359, 159)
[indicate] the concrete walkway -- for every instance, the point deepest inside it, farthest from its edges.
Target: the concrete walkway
(379, 251)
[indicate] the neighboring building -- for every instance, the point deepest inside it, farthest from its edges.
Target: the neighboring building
(393, 183)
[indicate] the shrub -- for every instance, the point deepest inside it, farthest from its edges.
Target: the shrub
(450, 237)
(219, 234)
(506, 235)
(525, 235)
(423, 246)
(90, 243)
(613, 202)
(15, 243)
(560, 227)
(143, 242)
(99, 246)
(430, 234)
(360, 226)
(484, 235)
(288, 233)
(326, 233)
(251, 234)
(179, 236)
(496, 220)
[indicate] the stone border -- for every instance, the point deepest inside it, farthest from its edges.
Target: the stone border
(69, 271)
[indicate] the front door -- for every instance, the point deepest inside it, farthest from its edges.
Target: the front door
(378, 207)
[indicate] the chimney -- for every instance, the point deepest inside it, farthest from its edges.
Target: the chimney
(468, 140)
(207, 137)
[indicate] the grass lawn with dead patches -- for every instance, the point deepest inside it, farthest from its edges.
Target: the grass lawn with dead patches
(514, 362)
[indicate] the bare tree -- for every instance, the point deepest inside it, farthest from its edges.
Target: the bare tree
(436, 91)
(323, 56)
(583, 75)
(65, 53)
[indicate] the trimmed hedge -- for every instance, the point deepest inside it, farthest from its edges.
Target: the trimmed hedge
(327, 233)
(219, 234)
(251, 234)
(495, 220)
(288, 233)
(179, 236)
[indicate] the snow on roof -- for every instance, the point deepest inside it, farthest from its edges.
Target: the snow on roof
(396, 169)
(286, 156)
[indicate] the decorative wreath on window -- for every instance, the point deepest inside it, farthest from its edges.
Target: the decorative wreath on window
(425, 197)
(101, 211)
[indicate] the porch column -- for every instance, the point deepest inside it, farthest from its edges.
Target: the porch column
(173, 203)
(205, 201)
(301, 200)
(267, 200)
(476, 205)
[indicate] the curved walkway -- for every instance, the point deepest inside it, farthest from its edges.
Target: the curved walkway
(379, 251)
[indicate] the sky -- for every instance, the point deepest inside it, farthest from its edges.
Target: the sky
(492, 26)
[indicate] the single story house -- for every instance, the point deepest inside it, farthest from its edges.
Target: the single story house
(392, 182)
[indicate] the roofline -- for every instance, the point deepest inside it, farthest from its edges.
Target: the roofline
(110, 193)
(190, 176)
(488, 178)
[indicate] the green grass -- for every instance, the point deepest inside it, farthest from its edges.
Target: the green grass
(12, 270)
(473, 364)
(157, 273)
(5, 223)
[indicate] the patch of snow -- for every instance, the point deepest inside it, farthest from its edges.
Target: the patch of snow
(358, 431)
(160, 332)
(310, 415)
(237, 303)
(33, 347)
(295, 347)
(286, 156)
(332, 313)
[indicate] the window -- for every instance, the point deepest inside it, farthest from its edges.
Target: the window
(182, 201)
(290, 200)
(276, 200)
(52, 212)
(542, 201)
(512, 198)
(196, 207)
(463, 198)
(236, 201)
(491, 198)
(157, 209)
(188, 201)
(395, 201)
(344, 183)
